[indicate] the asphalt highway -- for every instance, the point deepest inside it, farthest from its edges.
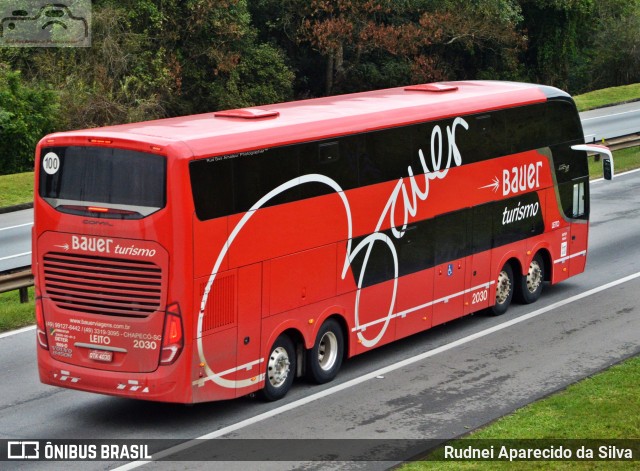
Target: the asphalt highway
(610, 122)
(15, 239)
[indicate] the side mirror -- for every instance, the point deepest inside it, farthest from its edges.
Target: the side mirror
(607, 157)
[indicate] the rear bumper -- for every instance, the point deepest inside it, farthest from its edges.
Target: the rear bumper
(160, 385)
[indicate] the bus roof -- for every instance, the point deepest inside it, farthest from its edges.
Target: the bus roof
(265, 126)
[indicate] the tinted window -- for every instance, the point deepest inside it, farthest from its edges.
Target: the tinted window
(416, 248)
(336, 159)
(573, 208)
(485, 138)
(388, 156)
(212, 184)
(569, 164)
(542, 125)
(456, 235)
(527, 127)
(255, 175)
(100, 175)
(451, 236)
(482, 234)
(233, 183)
(564, 122)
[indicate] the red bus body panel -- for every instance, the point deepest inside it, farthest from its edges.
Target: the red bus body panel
(242, 280)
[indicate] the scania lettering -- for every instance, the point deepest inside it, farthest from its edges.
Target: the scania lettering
(209, 257)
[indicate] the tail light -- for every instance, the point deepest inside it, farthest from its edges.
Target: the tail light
(41, 330)
(172, 338)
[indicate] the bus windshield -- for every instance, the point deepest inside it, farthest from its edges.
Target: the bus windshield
(103, 182)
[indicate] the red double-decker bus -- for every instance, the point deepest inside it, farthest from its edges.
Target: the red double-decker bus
(211, 256)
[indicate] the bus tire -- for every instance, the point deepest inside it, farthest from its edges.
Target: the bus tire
(281, 369)
(530, 286)
(325, 357)
(504, 291)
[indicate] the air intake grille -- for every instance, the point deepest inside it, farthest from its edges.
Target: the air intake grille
(221, 305)
(102, 285)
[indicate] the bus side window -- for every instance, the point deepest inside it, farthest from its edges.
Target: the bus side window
(387, 157)
(564, 122)
(578, 200)
(451, 238)
(212, 188)
(334, 160)
(485, 138)
(528, 128)
(482, 234)
(257, 175)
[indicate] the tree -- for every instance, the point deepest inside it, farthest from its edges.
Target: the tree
(616, 44)
(27, 112)
(559, 37)
(153, 59)
(365, 44)
(119, 79)
(222, 63)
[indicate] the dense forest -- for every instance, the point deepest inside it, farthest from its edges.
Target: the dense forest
(159, 58)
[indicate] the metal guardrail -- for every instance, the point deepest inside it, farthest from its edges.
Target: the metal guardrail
(20, 280)
(623, 142)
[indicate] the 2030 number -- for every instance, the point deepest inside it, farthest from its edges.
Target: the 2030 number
(145, 344)
(479, 297)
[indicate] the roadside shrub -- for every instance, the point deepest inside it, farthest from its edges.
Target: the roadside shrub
(27, 112)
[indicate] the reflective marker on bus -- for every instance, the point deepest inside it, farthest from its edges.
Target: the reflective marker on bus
(208, 257)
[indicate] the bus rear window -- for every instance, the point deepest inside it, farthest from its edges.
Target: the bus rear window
(102, 182)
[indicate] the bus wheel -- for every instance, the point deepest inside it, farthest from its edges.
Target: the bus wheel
(325, 358)
(531, 284)
(281, 368)
(504, 291)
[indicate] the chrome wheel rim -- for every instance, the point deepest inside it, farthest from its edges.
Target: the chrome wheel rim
(534, 277)
(504, 287)
(328, 351)
(278, 367)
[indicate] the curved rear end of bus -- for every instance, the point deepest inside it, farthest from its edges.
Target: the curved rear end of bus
(106, 322)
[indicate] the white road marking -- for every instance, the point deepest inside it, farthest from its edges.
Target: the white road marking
(15, 227)
(17, 331)
(609, 115)
(380, 372)
(15, 256)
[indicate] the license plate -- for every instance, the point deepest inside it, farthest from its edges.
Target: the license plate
(101, 355)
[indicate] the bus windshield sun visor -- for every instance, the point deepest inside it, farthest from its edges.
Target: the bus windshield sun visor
(103, 182)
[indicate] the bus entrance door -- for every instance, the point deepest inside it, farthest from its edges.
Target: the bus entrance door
(579, 229)
(452, 237)
(448, 291)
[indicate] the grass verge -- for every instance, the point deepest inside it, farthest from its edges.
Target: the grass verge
(624, 160)
(16, 189)
(601, 407)
(14, 314)
(607, 97)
